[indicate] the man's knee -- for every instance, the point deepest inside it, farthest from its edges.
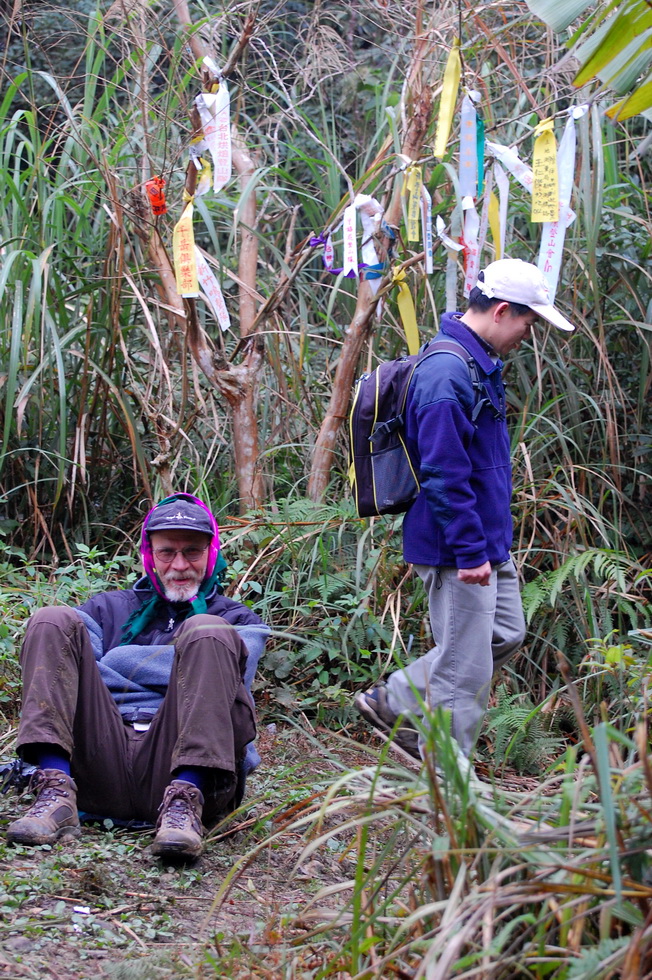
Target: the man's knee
(60, 617)
(203, 622)
(203, 627)
(509, 647)
(516, 635)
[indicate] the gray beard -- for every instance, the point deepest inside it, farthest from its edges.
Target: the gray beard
(181, 593)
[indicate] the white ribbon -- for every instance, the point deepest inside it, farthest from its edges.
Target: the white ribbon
(484, 217)
(426, 228)
(371, 215)
(451, 281)
(212, 292)
(508, 156)
(329, 252)
(214, 112)
(443, 237)
(350, 262)
(469, 146)
(554, 232)
(471, 249)
(502, 183)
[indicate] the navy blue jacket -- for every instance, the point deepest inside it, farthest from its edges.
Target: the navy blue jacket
(461, 517)
(111, 610)
(137, 674)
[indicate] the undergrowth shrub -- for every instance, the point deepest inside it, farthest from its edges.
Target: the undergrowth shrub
(26, 586)
(332, 587)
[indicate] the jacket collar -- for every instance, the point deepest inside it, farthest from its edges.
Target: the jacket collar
(452, 326)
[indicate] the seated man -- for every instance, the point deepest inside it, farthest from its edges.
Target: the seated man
(139, 694)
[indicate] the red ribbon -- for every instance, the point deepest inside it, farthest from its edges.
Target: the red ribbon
(156, 194)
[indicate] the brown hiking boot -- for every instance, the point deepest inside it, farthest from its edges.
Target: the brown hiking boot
(373, 706)
(53, 814)
(179, 827)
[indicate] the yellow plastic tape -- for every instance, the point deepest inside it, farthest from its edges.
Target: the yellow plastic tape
(494, 223)
(406, 310)
(545, 186)
(449, 90)
(183, 250)
(414, 183)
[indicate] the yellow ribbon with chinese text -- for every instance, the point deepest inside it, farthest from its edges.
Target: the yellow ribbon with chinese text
(183, 250)
(545, 184)
(494, 224)
(414, 183)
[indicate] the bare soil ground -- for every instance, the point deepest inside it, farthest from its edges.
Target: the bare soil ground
(104, 907)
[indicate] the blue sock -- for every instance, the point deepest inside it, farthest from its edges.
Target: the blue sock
(192, 774)
(52, 757)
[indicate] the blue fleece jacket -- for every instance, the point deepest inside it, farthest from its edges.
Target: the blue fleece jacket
(461, 517)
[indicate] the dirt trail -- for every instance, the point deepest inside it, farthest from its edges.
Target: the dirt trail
(104, 907)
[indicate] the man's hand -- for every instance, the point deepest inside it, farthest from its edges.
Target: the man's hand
(475, 576)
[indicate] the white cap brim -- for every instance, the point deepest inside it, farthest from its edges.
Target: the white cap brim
(552, 315)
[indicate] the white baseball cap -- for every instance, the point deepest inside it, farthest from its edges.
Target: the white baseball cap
(521, 282)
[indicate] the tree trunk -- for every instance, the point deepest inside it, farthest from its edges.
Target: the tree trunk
(419, 109)
(237, 383)
(356, 334)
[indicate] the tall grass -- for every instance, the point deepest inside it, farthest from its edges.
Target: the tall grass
(443, 875)
(99, 394)
(99, 397)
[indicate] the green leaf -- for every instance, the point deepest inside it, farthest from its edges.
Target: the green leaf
(558, 14)
(638, 102)
(632, 22)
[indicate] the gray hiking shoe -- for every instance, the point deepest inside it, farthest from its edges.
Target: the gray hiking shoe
(179, 828)
(373, 706)
(53, 815)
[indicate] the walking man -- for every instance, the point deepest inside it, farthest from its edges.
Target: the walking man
(458, 531)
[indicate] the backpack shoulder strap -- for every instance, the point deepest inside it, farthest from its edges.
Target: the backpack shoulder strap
(451, 346)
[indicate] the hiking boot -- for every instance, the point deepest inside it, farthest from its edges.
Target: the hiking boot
(179, 827)
(373, 706)
(53, 814)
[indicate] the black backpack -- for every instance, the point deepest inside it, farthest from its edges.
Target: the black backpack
(384, 480)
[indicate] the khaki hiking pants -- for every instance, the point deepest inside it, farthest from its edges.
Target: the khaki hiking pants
(476, 630)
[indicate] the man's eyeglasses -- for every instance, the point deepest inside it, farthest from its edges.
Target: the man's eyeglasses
(167, 555)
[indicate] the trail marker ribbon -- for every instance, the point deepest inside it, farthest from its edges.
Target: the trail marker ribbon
(426, 224)
(553, 233)
(469, 146)
(371, 216)
(214, 111)
(212, 292)
(413, 184)
(444, 238)
(502, 183)
(545, 190)
(183, 250)
(471, 246)
(406, 310)
(508, 156)
(450, 87)
(350, 263)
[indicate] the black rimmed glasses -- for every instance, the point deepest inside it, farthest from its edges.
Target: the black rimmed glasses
(192, 553)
